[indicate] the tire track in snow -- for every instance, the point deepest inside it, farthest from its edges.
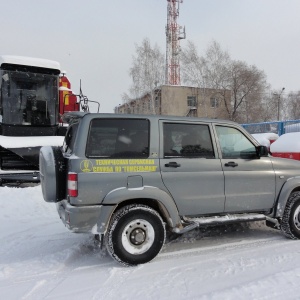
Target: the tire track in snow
(36, 287)
(43, 283)
(249, 264)
(116, 279)
(219, 248)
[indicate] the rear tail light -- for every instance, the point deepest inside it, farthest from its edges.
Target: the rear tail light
(72, 184)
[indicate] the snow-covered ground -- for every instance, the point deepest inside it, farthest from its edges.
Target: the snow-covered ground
(40, 259)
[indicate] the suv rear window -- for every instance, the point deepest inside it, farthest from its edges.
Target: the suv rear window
(70, 138)
(118, 138)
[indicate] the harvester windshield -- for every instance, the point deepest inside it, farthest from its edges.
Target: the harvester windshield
(28, 99)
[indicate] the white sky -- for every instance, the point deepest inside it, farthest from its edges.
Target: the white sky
(94, 40)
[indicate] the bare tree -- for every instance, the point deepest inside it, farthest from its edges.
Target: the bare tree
(246, 83)
(217, 66)
(209, 71)
(147, 71)
(292, 105)
(193, 66)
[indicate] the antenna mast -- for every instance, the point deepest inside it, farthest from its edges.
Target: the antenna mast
(174, 33)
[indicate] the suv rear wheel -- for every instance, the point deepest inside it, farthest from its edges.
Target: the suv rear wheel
(290, 224)
(136, 235)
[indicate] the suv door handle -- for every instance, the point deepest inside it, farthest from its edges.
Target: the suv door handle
(172, 164)
(231, 164)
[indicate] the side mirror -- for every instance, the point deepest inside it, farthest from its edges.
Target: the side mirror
(262, 151)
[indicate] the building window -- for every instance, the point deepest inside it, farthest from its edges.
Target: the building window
(214, 102)
(191, 101)
(156, 102)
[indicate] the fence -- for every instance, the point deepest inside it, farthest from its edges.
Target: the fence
(279, 127)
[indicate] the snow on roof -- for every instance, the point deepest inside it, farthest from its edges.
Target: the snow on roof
(265, 138)
(262, 139)
(267, 135)
(289, 142)
(63, 88)
(29, 61)
(11, 142)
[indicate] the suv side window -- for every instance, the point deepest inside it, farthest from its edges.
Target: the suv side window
(118, 138)
(187, 140)
(234, 144)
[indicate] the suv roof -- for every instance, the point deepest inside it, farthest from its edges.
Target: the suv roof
(72, 117)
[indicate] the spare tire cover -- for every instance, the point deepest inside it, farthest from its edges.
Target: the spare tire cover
(52, 173)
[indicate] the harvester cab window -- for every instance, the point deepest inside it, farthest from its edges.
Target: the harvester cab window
(28, 99)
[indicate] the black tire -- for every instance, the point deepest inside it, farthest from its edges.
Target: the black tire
(135, 235)
(290, 224)
(52, 173)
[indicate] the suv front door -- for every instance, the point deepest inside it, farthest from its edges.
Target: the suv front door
(249, 179)
(189, 168)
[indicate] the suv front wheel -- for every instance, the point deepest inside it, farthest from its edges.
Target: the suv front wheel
(135, 235)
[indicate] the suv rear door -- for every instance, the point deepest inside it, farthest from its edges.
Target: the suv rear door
(190, 168)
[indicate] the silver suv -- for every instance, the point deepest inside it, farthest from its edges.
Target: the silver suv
(131, 178)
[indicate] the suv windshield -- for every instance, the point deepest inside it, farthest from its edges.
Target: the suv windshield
(28, 98)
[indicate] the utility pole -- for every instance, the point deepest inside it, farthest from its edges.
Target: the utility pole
(278, 103)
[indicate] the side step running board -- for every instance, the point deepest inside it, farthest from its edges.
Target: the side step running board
(192, 223)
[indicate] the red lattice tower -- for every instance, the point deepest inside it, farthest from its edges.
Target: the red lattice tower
(174, 33)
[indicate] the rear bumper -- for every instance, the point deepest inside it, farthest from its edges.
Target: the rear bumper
(33, 176)
(84, 219)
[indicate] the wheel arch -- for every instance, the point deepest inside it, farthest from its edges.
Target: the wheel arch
(290, 223)
(153, 197)
(292, 185)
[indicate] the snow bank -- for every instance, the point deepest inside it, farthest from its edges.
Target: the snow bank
(289, 142)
